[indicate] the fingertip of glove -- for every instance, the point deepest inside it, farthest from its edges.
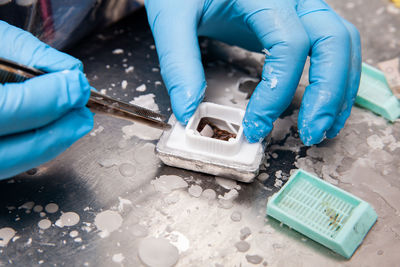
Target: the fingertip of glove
(74, 64)
(339, 124)
(185, 102)
(254, 131)
(334, 131)
(312, 133)
(86, 121)
(183, 116)
(78, 87)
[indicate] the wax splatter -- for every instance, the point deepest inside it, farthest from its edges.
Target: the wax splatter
(51, 208)
(127, 169)
(139, 231)
(44, 224)
(254, 259)
(118, 258)
(146, 101)
(37, 208)
(141, 131)
(227, 183)
(68, 219)
(73, 233)
(242, 246)
(107, 222)
(209, 194)
(118, 51)
(168, 183)
(244, 233)
(236, 216)
(141, 88)
(167, 254)
(195, 190)
(6, 234)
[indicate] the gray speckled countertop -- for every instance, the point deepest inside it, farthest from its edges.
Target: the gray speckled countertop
(363, 160)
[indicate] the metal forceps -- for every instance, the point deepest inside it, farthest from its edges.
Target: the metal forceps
(11, 72)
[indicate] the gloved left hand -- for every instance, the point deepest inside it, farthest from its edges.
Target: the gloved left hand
(41, 117)
(290, 30)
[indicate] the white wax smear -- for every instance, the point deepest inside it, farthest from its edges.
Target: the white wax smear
(44, 224)
(68, 219)
(274, 82)
(227, 183)
(180, 241)
(157, 252)
(171, 199)
(141, 131)
(145, 155)
(107, 163)
(118, 51)
(168, 183)
(124, 84)
(73, 233)
(139, 231)
(242, 246)
(231, 195)
(375, 142)
(146, 101)
(195, 190)
(141, 88)
(51, 208)
(6, 234)
(129, 69)
(127, 169)
(38, 208)
(244, 233)
(118, 258)
(263, 176)
(122, 203)
(107, 221)
(28, 205)
(97, 131)
(254, 259)
(209, 194)
(225, 204)
(236, 216)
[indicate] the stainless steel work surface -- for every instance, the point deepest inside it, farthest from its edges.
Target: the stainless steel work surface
(102, 190)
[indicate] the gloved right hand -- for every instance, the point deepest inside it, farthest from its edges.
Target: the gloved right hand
(41, 117)
(289, 30)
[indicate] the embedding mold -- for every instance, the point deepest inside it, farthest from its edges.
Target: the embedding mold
(322, 212)
(212, 142)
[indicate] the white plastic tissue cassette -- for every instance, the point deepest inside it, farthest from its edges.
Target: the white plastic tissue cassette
(212, 142)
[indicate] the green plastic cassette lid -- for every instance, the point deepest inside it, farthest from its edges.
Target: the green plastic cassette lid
(322, 212)
(374, 94)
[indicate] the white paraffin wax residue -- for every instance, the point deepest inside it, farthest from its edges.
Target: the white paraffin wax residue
(167, 183)
(146, 101)
(68, 219)
(167, 254)
(6, 234)
(107, 221)
(141, 131)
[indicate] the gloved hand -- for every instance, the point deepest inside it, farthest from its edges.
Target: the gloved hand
(42, 117)
(290, 30)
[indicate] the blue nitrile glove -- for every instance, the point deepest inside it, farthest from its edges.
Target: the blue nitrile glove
(290, 30)
(41, 117)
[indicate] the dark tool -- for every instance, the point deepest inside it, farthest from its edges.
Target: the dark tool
(11, 72)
